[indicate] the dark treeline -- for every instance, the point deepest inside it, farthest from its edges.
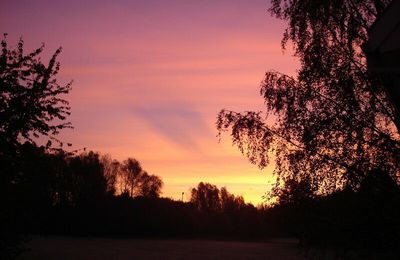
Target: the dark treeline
(92, 195)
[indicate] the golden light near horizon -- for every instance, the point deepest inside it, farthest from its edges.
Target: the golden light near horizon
(151, 76)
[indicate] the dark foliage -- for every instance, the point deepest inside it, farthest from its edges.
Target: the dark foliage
(353, 225)
(332, 130)
(31, 102)
(65, 194)
(31, 105)
(134, 181)
(333, 124)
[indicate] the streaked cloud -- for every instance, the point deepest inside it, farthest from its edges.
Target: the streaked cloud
(176, 121)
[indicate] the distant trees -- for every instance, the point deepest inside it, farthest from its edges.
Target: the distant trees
(134, 181)
(333, 124)
(89, 183)
(89, 177)
(59, 179)
(230, 202)
(207, 197)
(110, 168)
(150, 186)
(130, 176)
(68, 194)
(64, 180)
(221, 212)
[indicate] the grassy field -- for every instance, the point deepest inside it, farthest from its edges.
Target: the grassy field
(94, 248)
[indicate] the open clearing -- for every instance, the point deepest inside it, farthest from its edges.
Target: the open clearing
(95, 248)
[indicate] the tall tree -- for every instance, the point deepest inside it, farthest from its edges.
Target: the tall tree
(333, 124)
(31, 105)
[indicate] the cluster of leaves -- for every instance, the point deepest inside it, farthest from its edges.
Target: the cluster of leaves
(333, 124)
(31, 102)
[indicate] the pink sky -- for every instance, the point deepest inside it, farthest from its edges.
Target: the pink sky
(150, 77)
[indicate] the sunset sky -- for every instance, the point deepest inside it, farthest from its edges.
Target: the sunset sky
(150, 77)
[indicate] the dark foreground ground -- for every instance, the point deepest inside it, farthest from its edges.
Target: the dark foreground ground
(94, 248)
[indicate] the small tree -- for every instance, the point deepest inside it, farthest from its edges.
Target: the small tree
(134, 181)
(111, 168)
(230, 202)
(150, 185)
(130, 176)
(89, 181)
(206, 197)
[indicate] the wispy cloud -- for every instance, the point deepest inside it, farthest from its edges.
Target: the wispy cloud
(177, 121)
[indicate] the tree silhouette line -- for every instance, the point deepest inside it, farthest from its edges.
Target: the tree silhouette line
(93, 195)
(86, 195)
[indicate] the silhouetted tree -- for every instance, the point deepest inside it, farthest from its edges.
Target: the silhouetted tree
(333, 124)
(130, 176)
(89, 181)
(31, 102)
(205, 197)
(150, 185)
(137, 182)
(31, 105)
(111, 168)
(230, 202)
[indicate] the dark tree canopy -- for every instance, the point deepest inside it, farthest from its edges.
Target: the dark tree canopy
(150, 185)
(207, 197)
(31, 102)
(333, 123)
(130, 176)
(134, 181)
(110, 168)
